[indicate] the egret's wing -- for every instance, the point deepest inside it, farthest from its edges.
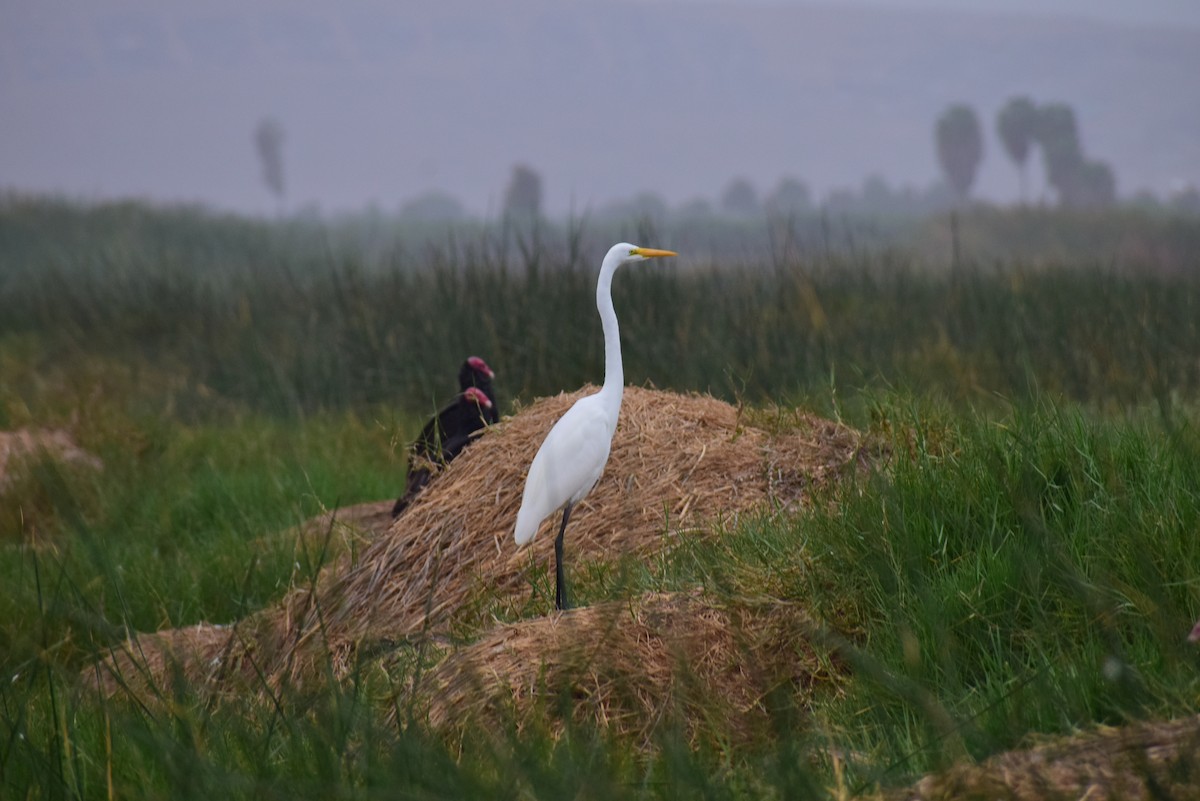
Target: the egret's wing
(566, 467)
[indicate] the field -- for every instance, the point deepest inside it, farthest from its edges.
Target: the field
(1018, 558)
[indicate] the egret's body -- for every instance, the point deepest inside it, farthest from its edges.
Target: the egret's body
(569, 463)
(574, 453)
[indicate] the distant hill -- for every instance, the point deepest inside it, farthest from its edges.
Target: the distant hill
(605, 98)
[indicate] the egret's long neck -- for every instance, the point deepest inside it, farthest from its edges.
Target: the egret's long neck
(614, 376)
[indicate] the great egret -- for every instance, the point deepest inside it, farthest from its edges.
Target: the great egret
(574, 453)
(448, 432)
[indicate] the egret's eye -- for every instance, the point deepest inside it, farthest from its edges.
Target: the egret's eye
(633, 251)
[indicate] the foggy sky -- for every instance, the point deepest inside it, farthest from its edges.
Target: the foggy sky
(605, 98)
(1135, 12)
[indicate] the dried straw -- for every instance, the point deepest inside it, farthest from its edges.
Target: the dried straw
(715, 668)
(334, 531)
(1146, 760)
(678, 462)
(25, 444)
(148, 665)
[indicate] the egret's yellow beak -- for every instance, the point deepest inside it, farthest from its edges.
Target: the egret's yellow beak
(650, 253)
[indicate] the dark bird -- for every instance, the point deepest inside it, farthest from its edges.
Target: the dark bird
(451, 430)
(476, 373)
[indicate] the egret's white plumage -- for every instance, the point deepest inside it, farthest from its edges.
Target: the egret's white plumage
(574, 453)
(569, 463)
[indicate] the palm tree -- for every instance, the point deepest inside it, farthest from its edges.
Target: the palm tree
(268, 140)
(960, 147)
(1058, 137)
(523, 197)
(1017, 126)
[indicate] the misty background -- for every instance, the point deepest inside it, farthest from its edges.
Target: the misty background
(376, 103)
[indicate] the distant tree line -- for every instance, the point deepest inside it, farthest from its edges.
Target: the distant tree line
(1022, 125)
(791, 198)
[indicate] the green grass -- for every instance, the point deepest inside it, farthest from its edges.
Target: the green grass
(1034, 572)
(187, 524)
(1025, 560)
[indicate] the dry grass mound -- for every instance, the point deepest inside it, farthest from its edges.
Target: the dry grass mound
(678, 462)
(1152, 760)
(146, 666)
(370, 519)
(146, 663)
(716, 669)
(334, 531)
(31, 460)
(17, 447)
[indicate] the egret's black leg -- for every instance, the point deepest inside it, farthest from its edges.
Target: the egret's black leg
(560, 583)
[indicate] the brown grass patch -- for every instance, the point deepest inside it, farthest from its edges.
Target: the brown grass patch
(33, 464)
(17, 447)
(717, 669)
(333, 532)
(678, 463)
(1148, 760)
(370, 519)
(147, 665)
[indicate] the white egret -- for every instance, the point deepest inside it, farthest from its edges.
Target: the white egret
(574, 453)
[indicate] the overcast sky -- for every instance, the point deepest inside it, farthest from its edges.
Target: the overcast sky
(382, 101)
(1145, 12)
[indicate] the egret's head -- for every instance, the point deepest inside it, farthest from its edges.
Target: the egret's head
(627, 252)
